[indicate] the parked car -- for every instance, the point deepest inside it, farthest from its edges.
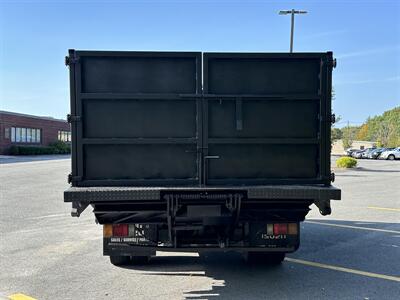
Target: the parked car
(366, 152)
(391, 154)
(377, 152)
(357, 154)
(350, 151)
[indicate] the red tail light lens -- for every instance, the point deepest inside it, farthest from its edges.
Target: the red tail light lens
(280, 228)
(120, 230)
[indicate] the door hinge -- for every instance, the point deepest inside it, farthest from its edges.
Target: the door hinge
(71, 118)
(71, 60)
(332, 177)
(332, 62)
(74, 178)
(333, 118)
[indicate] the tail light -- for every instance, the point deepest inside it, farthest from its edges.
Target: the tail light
(280, 228)
(120, 230)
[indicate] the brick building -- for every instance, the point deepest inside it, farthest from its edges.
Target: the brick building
(21, 129)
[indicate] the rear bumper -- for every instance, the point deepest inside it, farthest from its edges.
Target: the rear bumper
(320, 195)
(128, 250)
(289, 192)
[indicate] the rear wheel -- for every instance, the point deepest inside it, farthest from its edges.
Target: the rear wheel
(119, 260)
(269, 258)
(140, 260)
(391, 157)
(123, 260)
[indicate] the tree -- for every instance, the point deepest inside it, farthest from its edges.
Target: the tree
(336, 134)
(347, 143)
(383, 129)
(362, 134)
(385, 132)
(348, 136)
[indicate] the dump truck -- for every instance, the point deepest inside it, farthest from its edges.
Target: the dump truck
(193, 152)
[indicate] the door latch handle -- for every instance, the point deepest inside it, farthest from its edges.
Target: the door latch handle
(211, 157)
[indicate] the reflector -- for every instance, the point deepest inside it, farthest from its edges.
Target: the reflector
(270, 229)
(107, 230)
(292, 228)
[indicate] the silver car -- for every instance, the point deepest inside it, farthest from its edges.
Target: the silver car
(391, 154)
(366, 152)
(358, 153)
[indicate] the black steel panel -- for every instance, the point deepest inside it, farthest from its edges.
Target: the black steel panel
(108, 118)
(262, 75)
(132, 124)
(139, 162)
(138, 74)
(270, 122)
(142, 118)
(255, 161)
(264, 119)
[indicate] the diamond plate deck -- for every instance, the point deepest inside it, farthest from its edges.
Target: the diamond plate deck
(105, 194)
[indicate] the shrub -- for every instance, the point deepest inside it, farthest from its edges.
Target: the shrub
(54, 148)
(61, 147)
(14, 150)
(31, 150)
(346, 162)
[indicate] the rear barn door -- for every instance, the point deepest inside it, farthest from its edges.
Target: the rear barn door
(262, 119)
(137, 118)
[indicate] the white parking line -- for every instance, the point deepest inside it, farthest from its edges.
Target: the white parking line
(341, 269)
(353, 227)
(384, 208)
(50, 216)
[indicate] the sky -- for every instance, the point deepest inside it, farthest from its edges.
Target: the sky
(364, 36)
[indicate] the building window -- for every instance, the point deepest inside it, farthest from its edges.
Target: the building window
(25, 135)
(12, 134)
(38, 135)
(29, 135)
(64, 136)
(18, 134)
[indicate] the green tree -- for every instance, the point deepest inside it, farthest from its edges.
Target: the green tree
(383, 129)
(362, 134)
(336, 134)
(348, 136)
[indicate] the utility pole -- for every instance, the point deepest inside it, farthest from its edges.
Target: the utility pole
(292, 13)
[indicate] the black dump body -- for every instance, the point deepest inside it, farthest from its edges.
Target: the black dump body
(155, 133)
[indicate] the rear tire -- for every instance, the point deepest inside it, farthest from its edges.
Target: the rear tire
(119, 260)
(269, 258)
(140, 260)
(391, 157)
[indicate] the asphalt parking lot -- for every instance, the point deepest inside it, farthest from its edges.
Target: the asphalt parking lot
(46, 254)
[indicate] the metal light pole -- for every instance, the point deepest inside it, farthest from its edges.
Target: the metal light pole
(292, 12)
